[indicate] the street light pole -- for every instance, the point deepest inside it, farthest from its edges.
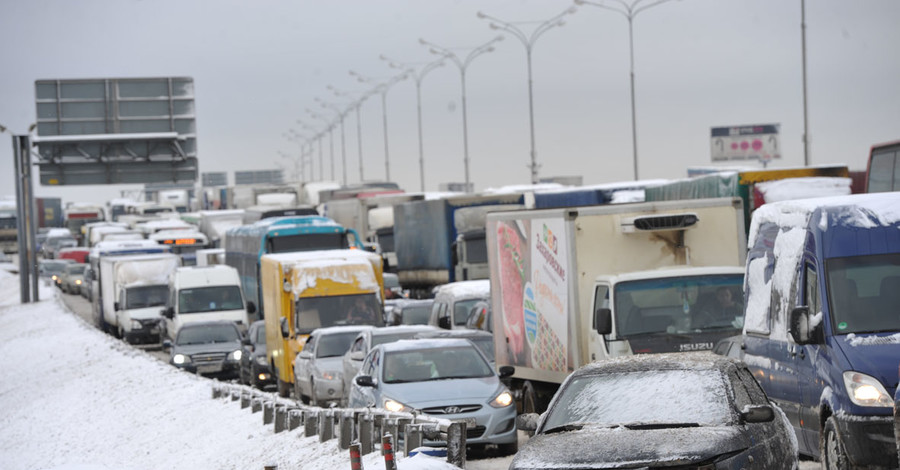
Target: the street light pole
(362, 97)
(331, 142)
(383, 89)
(463, 64)
(319, 135)
(629, 11)
(418, 76)
(528, 42)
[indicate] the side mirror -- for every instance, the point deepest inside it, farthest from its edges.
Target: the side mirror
(304, 355)
(167, 344)
(757, 414)
(444, 322)
(799, 326)
(357, 356)
(365, 381)
(506, 371)
(116, 306)
(169, 312)
(285, 332)
(246, 341)
(603, 321)
(251, 307)
(528, 422)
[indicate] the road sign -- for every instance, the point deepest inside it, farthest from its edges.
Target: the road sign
(258, 177)
(753, 142)
(110, 131)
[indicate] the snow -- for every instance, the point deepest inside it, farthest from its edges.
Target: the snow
(628, 195)
(467, 289)
(101, 405)
(803, 188)
(276, 199)
(140, 270)
(856, 340)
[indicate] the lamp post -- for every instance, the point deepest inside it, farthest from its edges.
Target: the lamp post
(362, 97)
(330, 130)
(528, 41)
(463, 64)
(305, 152)
(418, 76)
(297, 173)
(382, 89)
(629, 11)
(318, 135)
(340, 117)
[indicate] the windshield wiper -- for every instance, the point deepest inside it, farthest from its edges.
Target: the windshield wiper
(661, 425)
(564, 428)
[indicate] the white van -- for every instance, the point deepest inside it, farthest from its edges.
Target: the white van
(207, 293)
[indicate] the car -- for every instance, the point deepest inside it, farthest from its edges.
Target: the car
(671, 410)
(77, 253)
(53, 244)
(318, 366)
(367, 339)
(52, 269)
(408, 311)
(480, 338)
(454, 301)
(211, 349)
(72, 278)
(447, 378)
(254, 365)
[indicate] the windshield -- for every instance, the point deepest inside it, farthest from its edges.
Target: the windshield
(461, 310)
(643, 397)
(205, 334)
(260, 336)
(78, 269)
(863, 293)
(416, 315)
(679, 305)
(486, 345)
(335, 344)
(434, 364)
(146, 296)
(54, 267)
(307, 242)
(320, 312)
(209, 299)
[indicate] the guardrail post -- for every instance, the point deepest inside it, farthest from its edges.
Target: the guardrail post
(268, 412)
(280, 418)
(310, 423)
(387, 449)
(345, 429)
(256, 404)
(355, 457)
(216, 391)
(456, 444)
(366, 433)
(326, 425)
(295, 418)
(245, 400)
(401, 428)
(235, 395)
(389, 427)
(413, 438)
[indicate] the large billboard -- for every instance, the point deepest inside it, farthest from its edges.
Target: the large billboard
(741, 143)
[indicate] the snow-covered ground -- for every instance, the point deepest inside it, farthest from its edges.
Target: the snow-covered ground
(73, 398)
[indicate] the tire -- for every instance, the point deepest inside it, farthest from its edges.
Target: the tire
(508, 449)
(299, 395)
(284, 388)
(834, 455)
(529, 399)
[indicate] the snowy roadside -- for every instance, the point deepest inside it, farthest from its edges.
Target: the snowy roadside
(76, 398)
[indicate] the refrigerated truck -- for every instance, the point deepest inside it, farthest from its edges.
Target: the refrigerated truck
(556, 276)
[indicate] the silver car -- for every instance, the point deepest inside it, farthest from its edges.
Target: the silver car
(318, 367)
(445, 378)
(368, 339)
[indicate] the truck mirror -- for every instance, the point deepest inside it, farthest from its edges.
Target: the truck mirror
(444, 322)
(285, 333)
(506, 371)
(251, 307)
(799, 325)
(116, 306)
(603, 321)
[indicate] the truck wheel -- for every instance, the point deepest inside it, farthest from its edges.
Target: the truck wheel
(834, 457)
(529, 399)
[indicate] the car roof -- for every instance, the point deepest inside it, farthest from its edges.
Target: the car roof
(457, 333)
(394, 329)
(420, 344)
(207, 323)
(479, 288)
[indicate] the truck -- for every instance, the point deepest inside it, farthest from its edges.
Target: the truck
(214, 224)
(49, 211)
(302, 291)
(425, 232)
(574, 285)
(138, 291)
(79, 214)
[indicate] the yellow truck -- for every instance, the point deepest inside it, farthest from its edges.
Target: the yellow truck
(303, 291)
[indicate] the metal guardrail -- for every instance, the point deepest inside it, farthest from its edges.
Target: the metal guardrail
(358, 431)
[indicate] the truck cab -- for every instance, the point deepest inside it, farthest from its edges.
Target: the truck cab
(210, 293)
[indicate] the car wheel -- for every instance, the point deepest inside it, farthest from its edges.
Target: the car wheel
(299, 395)
(834, 457)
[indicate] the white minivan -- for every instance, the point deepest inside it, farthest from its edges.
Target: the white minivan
(205, 293)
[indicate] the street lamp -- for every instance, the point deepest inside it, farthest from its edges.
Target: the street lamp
(382, 89)
(330, 130)
(463, 64)
(356, 105)
(417, 76)
(318, 136)
(528, 41)
(340, 117)
(629, 11)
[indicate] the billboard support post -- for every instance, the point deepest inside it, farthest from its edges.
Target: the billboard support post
(25, 219)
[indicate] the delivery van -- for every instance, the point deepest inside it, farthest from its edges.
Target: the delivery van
(821, 331)
(207, 293)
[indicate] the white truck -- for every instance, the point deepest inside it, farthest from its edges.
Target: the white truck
(204, 293)
(141, 289)
(573, 285)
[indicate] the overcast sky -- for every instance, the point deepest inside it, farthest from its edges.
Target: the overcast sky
(257, 65)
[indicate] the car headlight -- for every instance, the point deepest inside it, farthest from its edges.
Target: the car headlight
(503, 400)
(261, 360)
(180, 359)
(235, 355)
(330, 375)
(394, 406)
(77, 282)
(135, 325)
(53, 277)
(865, 390)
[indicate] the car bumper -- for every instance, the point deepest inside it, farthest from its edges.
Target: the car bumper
(492, 426)
(221, 370)
(329, 390)
(869, 440)
(148, 332)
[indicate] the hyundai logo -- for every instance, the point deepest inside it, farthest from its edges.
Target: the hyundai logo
(452, 410)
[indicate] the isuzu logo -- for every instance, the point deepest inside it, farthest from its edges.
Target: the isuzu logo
(696, 346)
(452, 410)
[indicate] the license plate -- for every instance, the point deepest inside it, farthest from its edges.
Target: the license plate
(470, 422)
(208, 368)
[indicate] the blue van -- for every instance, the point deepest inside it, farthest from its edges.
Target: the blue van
(822, 322)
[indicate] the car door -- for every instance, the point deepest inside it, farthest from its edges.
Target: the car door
(366, 396)
(805, 363)
(303, 365)
(350, 365)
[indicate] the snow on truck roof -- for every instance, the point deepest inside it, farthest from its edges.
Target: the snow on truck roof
(339, 266)
(467, 288)
(674, 271)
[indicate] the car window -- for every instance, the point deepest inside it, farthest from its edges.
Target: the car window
(461, 310)
(260, 335)
(421, 365)
(310, 345)
(757, 395)
(371, 363)
(741, 396)
(357, 344)
(207, 334)
(335, 344)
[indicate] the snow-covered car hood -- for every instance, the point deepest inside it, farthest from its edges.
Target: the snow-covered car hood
(872, 354)
(619, 447)
(443, 392)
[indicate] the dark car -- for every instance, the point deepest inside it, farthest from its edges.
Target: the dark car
(254, 365)
(207, 348)
(683, 410)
